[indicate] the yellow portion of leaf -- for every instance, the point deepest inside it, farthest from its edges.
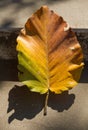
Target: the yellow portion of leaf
(50, 57)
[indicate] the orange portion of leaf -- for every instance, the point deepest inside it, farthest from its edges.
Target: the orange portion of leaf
(49, 55)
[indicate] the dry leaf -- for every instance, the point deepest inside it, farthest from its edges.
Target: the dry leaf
(49, 55)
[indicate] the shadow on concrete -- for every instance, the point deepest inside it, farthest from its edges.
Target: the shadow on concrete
(24, 103)
(8, 70)
(53, 1)
(7, 23)
(28, 104)
(61, 102)
(26, 3)
(84, 75)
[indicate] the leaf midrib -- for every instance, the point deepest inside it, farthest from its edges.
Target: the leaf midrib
(47, 57)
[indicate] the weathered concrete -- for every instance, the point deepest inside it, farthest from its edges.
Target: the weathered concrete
(19, 108)
(22, 110)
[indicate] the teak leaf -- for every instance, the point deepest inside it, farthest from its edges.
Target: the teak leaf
(49, 55)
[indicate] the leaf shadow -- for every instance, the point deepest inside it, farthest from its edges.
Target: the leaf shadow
(61, 102)
(28, 104)
(25, 104)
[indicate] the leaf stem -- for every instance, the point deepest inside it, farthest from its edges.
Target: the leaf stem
(46, 102)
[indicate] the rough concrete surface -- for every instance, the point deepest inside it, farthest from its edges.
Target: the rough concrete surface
(23, 110)
(14, 13)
